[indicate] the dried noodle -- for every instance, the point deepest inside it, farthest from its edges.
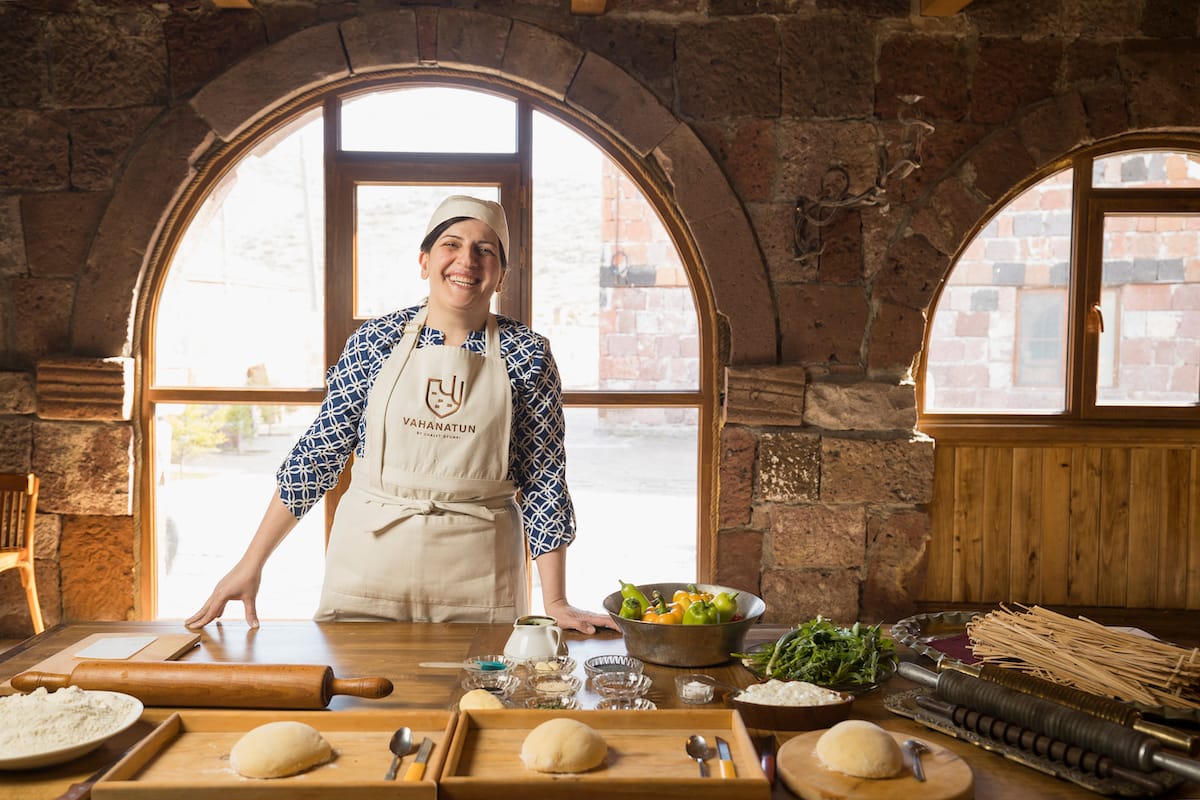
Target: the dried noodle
(1088, 656)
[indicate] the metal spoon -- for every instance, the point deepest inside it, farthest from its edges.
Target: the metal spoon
(400, 745)
(915, 749)
(698, 749)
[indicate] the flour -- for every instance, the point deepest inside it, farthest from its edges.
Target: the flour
(42, 721)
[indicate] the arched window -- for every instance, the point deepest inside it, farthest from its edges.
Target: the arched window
(290, 241)
(1079, 300)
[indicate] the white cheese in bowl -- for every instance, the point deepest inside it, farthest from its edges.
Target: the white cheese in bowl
(789, 693)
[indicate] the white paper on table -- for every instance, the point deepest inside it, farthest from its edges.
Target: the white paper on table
(115, 647)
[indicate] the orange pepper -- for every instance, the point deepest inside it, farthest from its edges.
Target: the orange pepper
(662, 613)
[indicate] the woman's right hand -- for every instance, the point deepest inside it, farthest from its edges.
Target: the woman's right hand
(240, 584)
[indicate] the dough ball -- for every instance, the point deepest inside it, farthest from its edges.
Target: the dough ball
(479, 698)
(563, 745)
(279, 749)
(860, 748)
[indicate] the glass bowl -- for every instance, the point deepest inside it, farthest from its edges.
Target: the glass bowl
(621, 685)
(501, 684)
(563, 703)
(488, 663)
(695, 688)
(552, 686)
(625, 704)
(559, 665)
(597, 665)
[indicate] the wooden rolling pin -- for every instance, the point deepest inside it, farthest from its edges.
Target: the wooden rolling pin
(188, 684)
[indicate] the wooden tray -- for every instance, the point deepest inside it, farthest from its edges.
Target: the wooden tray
(645, 757)
(187, 757)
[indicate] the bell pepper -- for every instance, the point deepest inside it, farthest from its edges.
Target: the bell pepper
(631, 608)
(628, 590)
(700, 612)
(726, 605)
(685, 597)
(661, 612)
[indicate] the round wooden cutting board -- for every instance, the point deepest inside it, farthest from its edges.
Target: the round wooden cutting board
(947, 777)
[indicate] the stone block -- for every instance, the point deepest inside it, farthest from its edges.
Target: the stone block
(808, 537)
(897, 334)
(541, 59)
(15, 621)
(16, 444)
(999, 163)
(381, 40)
(738, 560)
(84, 468)
(59, 227)
(789, 467)
(868, 406)
(100, 142)
(202, 45)
(17, 395)
(35, 150)
(876, 470)
(794, 596)
(931, 66)
(735, 497)
(470, 39)
(41, 318)
(952, 211)
(1164, 82)
(1106, 110)
(85, 388)
(821, 324)
(1051, 130)
(729, 69)
(894, 574)
(764, 395)
(911, 272)
(811, 85)
(644, 48)
(12, 239)
(611, 97)
(97, 564)
(271, 77)
(1010, 74)
(107, 60)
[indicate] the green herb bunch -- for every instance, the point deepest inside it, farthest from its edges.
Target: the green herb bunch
(823, 653)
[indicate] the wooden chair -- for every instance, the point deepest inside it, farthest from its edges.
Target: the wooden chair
(18, 507)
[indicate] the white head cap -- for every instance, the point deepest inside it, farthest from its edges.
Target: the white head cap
(486, 211)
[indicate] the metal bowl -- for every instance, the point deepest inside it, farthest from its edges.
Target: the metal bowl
(686, 645)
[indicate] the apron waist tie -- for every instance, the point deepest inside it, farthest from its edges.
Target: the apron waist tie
(407, 507)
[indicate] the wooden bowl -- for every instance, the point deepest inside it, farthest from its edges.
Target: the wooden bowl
(793, 718)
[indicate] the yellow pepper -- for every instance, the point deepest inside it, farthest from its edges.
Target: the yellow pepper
(685, 597)
(662, 613)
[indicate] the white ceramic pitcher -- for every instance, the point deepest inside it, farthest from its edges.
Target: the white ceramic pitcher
(533, 637)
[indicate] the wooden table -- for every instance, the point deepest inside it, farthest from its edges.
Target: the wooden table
(394, 650)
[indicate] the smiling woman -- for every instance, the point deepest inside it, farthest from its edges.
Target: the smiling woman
(593, 268)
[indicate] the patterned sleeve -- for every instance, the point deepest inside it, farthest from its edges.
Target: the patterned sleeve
(538, 457)
(314, 463)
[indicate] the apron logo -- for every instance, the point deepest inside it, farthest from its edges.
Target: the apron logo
(441, 402)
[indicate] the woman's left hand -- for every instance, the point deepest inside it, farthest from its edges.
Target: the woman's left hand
(574, 619)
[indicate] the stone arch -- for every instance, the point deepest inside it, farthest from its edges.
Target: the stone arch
(475, 42)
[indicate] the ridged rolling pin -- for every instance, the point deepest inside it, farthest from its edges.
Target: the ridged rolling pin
(202, 684)
(1069, 696)
(1124, 746)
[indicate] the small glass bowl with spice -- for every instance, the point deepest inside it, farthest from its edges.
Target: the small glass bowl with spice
(695, 688)
(626, 704)
(564, 703)
(501, 684)
(554, 687)
(597, 665)
(558, 665)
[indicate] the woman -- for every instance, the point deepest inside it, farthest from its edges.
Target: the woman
(451, 412)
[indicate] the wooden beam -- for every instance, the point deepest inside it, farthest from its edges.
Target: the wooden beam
(232, 3)
(942, 8)
(591, 8)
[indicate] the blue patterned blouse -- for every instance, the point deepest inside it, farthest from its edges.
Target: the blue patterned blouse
(537, 454)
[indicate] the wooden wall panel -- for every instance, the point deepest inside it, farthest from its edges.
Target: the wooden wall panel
(1068, 524)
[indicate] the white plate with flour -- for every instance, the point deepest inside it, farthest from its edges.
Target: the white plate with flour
(43, 728)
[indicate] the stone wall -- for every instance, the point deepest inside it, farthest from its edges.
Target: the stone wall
(106, 107)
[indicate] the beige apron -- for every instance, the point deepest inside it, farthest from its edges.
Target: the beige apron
(429, 529)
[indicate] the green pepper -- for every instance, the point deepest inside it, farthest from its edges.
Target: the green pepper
(631, 608)
(726, 605)
(700, 612)
(628, 590)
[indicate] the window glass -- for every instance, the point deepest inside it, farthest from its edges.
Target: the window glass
(1147, 169)
(243, 303)
(998, 340)
(215, 471)
(1151, 336)
(430, 120)
(608, 283)
(390, 225)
